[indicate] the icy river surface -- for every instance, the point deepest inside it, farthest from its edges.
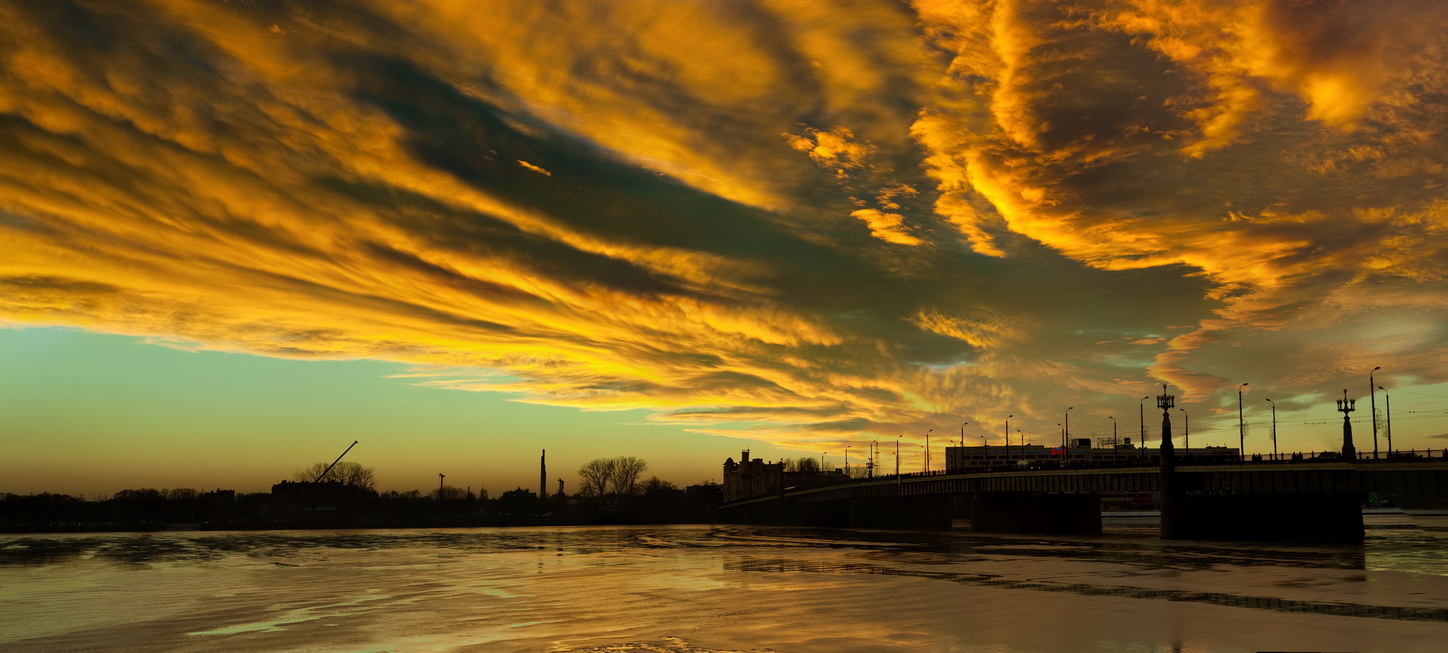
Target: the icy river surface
(713, 589)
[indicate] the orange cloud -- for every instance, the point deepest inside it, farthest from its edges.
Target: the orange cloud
(590, 205)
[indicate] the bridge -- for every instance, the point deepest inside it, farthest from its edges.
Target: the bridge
(1298, 500)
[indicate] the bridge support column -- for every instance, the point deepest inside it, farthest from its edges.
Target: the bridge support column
(1036, 513)
(1264, 517)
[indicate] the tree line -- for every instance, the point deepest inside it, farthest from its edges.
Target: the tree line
(610, 491)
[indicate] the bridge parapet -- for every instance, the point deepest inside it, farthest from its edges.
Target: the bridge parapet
(1319, 496)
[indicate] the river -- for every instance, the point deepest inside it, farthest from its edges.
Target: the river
(717, 589)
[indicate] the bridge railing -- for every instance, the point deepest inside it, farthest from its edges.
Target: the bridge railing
(1126, 462)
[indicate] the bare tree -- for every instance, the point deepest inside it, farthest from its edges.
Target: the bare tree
(804, 464)
(626, 474)
(656, 485)
(618, 475)
(346, 473)
(595, 476)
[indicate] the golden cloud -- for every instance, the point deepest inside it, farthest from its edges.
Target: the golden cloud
(591, 204)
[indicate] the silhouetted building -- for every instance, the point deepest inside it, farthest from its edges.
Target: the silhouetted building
(752, 478)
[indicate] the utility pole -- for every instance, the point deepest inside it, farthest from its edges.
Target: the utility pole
(1373, 404)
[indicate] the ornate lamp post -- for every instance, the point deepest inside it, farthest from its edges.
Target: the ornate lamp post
(1241, 427)
(1373, 404)
(1346, 406)
(1166, 402)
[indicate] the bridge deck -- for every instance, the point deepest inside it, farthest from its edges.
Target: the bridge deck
(1419, 478)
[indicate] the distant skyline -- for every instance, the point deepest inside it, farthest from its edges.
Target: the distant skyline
(237, 236)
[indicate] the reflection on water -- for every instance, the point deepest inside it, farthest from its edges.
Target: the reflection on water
(714, 589)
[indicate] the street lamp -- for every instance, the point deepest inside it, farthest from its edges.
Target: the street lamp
(1187, 430)
(1274, 428)
(1241, 428)
(1114, 446)
(1141, 419)
(1389, 401)
(927, 450)
(1008, 436)
(897, 459)
(1373, 404)
(847, 461)
(1066, 430)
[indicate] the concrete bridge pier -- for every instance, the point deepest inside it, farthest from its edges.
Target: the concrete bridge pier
(1032, 512)
(1264, 517)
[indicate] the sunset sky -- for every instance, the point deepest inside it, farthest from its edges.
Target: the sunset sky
(237, 236)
